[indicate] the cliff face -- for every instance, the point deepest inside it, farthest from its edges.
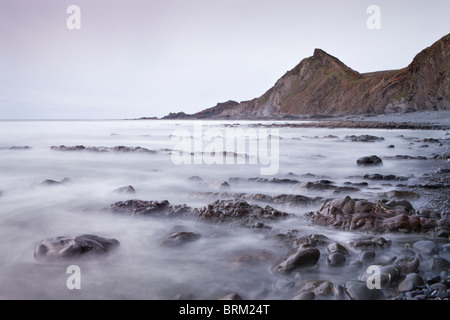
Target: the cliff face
(323, 85)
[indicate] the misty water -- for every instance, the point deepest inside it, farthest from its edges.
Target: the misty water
(141, 268)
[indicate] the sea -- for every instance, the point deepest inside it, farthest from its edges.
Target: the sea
(182, 162)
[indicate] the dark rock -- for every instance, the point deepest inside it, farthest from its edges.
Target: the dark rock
(66, 248)
(426, 247)
(389, 177)
(319, 186)
(149, 208)
(389, 275)
(358, 290)
(288, 200)
(433, 279)
(406, 157)
(382, 216)
(432, 140)
(102, 149)
(300, 259)
(260, 225)
(358, 184)
(307, 295)
(195, 179)
(313, 239)
(363, 138)
(411, 282)
(391, 146)
(264, 180)
(336, 259)
(371, 243)
(320, 288)
(429, 214)
(367, 256)
(439, 287)
(406, 264)
(49, 182)
(179, 238)
(336, 247)
(369, 161)
(70, 148)
(237, 211)
(346, 190)
(326, 185)
(324, 289)
(355, 264)
(224, 185)
(435, 265)
(127, 189)
(19, 148)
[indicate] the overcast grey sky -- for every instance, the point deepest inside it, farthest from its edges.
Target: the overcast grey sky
(135, 58)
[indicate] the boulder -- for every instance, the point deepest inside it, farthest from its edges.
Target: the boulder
(178, 239)
(382, 216)
(358, 290)
(303, 257)
(68, 248)
(369, 161)
(410, 282)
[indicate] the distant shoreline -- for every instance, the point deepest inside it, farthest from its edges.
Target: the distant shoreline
(426, 120)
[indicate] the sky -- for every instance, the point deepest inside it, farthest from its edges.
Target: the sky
(141, 58)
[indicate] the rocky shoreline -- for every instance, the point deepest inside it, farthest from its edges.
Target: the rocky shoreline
(416, 268)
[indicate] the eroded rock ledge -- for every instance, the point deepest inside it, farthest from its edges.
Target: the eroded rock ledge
(381, 217)
(237, 212)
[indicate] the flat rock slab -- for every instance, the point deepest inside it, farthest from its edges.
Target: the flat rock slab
(67, 248)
